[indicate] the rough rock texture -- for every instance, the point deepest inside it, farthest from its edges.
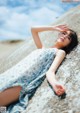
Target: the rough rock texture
(16, 54)
(68, 74)
(44, 100)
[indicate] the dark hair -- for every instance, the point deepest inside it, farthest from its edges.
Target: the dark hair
(73, 43)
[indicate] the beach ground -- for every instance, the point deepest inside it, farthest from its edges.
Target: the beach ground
(7, 47)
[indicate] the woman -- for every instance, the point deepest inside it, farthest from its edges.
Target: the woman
(67, 40)
(47, 60)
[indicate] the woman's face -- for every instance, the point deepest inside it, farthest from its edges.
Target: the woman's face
(64, 38)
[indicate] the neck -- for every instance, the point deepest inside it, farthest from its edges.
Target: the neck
(57, 45)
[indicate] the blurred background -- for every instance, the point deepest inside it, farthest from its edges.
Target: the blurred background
(17, 16)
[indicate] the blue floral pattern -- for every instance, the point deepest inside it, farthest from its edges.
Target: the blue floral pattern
(29, 74)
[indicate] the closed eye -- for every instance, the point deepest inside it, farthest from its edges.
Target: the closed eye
(64, 33)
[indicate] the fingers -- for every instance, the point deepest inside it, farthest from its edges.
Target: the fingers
(65, 25)
(60, 90)
(62, 28)
(60, 87)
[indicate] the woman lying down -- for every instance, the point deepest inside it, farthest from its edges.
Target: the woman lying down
(19, 83)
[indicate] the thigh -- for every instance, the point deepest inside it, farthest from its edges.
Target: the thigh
(10, 95)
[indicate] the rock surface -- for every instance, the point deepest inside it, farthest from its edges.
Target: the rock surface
(44, 100)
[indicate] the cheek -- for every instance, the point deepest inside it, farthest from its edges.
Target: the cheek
(67, 42)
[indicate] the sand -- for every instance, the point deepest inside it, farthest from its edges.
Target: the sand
(7, 47)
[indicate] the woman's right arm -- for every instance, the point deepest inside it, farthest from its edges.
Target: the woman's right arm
(35, 30)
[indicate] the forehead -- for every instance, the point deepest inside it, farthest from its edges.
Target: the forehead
(68, 32)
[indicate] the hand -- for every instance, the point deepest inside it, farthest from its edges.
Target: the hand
(58, 88)
(61, 28)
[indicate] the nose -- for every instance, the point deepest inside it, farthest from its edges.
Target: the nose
(64, 37)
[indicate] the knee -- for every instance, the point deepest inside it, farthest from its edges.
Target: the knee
(17, 91)
(19, 88)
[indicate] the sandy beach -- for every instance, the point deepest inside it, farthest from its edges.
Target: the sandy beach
(7, 47)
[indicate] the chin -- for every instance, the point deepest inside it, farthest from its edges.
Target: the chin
(60, 42)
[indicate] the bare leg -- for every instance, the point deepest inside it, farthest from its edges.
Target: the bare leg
(9, 95)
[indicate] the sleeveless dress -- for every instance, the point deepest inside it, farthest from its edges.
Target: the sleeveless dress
(29, 73)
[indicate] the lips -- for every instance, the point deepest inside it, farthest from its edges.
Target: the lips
(62, 39)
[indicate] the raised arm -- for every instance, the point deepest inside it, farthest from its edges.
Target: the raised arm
(36, 29)
(50, 75)
(35, 34)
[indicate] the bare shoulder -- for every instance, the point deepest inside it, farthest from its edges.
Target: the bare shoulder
(60, 51)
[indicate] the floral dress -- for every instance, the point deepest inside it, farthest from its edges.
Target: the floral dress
(29, 73)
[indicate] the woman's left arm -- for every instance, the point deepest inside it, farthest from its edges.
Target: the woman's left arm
(50, 74)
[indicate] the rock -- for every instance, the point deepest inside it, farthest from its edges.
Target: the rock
(44, 100)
